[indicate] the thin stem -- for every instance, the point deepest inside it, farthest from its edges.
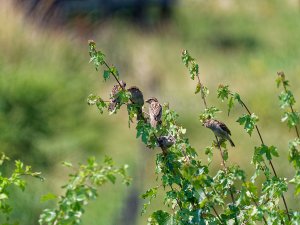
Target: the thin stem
(226, 170)
(255, 203)
(223, 161)
(217, 214)
(260, 137)
(270, 161)
(202, 92)
(292, 109)
(114, 75)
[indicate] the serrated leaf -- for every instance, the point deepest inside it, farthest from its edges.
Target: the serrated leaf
(92, 99)
(150, 193)
(292, 118)
(286, 99)
(237, 97)
(106, 74)
(209, 113)
(223, 92)
(161, 217)
(249, 122)
(111, 177)
(274, 151)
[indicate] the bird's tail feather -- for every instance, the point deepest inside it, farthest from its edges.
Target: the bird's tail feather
(231, 142)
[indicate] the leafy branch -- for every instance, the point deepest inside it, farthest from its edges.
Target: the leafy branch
(15, 179)
(80, 189)
(292, 117)
(209, 113)
(176, 164)
(250, 122)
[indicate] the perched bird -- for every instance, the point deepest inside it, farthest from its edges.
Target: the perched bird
(165, 142)
(155, 111)
(219, 129)
(137, 99)
(114, 98)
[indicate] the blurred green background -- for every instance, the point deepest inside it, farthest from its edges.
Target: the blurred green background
(45, 79)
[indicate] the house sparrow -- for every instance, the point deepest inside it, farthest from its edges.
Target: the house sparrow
(114, 100)
(137, 99)
(219, 129)
(155, 111)
(165, 142)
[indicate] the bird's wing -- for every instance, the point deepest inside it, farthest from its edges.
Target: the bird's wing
(225, 128)
(157, 110)
(115, 90)
(136, 96)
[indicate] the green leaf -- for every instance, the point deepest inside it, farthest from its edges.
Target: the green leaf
(208, 113)
(204, 91)
(190, 63)
(106, 74)
(273, 151)
(48, 216)
(111, 177)
(186, 58)
(67, 164)
(144, 131)
(280, 78)
(114, 71)
(225, 154)
(100, 57)
(230, 104)
(209, 153)
(286, 99)
(223, 92)
(3, 158)
(198, 88)
(161, 217)
(48, 197)
(294, 153)
(237, 97)
(107, 160)
(92, 99)
(265, 150)
(194, 70)
(292, 118)
(249, 122)
(151, 193)
(3, 196)
(101, 105)
(296, 182)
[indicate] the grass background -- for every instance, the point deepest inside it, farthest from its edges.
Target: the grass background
(45, 78)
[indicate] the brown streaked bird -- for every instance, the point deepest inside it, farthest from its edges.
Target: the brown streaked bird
(114, 100)
(219, 129)
(165, 142)
(155, 111)
(137, 99)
